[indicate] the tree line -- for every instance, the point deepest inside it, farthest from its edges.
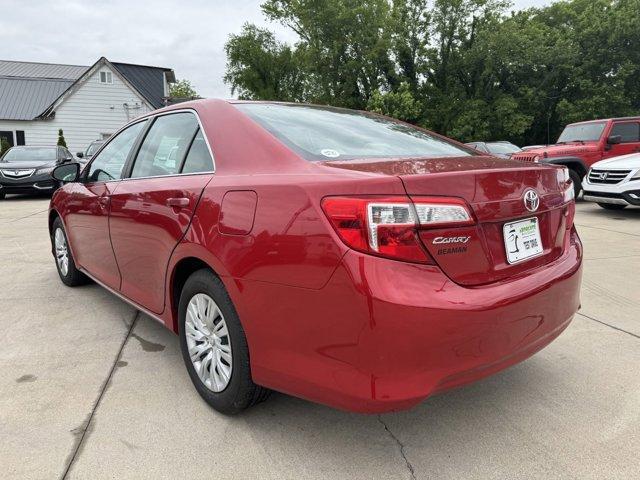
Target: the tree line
(469, 69)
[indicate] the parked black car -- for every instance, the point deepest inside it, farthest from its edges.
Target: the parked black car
(28, 169)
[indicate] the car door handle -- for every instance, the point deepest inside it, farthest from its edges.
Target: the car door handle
(179, 202)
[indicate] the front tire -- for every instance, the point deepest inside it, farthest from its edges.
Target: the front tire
(2, 195)
(577, 183)
(69, 274)
(611, 206)
(214, 346)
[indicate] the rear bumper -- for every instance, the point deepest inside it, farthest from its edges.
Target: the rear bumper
(384, 335)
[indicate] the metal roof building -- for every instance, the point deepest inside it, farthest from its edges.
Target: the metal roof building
(87, 102)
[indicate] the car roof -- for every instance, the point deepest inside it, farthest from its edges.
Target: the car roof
(614, 119)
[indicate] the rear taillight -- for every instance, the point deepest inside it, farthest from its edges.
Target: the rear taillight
(568, 195)
(388, 226)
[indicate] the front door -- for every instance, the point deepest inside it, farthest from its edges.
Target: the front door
(152, 209)
(87, 220)
(630, 133)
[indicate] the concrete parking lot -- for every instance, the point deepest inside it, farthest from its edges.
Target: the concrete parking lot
(91, 389)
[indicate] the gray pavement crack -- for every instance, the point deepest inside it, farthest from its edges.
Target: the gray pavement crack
(607, 230)
(84, 429)
(12, 220)
(609, 325)
(400, 447)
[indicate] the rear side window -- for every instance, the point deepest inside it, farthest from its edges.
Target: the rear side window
(629, 131)
(324, 133)
(108, 165)
(198, 159)
(165, 145)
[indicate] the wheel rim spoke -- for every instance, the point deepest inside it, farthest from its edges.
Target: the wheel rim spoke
(208, 342)
(62, 252)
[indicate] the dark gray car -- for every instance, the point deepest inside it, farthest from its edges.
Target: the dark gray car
(91, 149)
(497, 149)
(28, 169)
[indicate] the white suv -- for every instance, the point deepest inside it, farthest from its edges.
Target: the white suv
(614, 183)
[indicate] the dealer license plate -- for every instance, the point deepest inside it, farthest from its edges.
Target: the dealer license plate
(522, 240)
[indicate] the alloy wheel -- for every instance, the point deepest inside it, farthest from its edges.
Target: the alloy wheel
(208, 342)
(62, 252)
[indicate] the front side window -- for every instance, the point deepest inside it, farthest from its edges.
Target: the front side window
(198, 159)
(582, 132)
(108, 165)
(64, 154)
(324, 134)
(165, 145)
(629, 131)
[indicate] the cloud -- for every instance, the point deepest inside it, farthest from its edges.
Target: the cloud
(186, 35)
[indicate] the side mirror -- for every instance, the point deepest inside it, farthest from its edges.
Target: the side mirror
(80, 155)
(69, 172)
(614, 139)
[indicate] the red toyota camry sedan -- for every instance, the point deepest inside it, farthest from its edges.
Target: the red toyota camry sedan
(338, 256)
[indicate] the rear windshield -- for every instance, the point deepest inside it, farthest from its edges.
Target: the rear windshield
(31, 154)
(324, 133)
(584, 132)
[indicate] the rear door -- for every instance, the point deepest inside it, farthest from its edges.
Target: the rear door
(152, 208)
(629, 130)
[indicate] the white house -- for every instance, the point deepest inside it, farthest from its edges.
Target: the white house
(87, 103)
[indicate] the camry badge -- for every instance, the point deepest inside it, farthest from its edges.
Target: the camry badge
(531, 200)
(439, 240)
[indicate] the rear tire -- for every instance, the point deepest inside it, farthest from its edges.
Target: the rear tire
(611, 206)
(210, 328)
(66, 266)
(577, 183)
(2, 195)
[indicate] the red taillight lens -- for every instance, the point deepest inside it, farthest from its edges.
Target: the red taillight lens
(387, 226)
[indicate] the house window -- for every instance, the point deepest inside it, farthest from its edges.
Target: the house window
(106, 77)
(20, 137)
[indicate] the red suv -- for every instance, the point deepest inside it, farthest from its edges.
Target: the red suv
(582, 144)
(334, 255)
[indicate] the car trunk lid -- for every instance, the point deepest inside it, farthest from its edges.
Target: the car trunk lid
(494, 189)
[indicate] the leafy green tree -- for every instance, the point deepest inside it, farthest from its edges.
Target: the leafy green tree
(61, 141)
(261, 68)
(399, 104)
(182, 89)
(469, 69)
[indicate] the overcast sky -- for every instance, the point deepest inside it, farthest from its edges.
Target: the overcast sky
(186, 35)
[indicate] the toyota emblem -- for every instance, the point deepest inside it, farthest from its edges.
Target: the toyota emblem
(531, 200)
